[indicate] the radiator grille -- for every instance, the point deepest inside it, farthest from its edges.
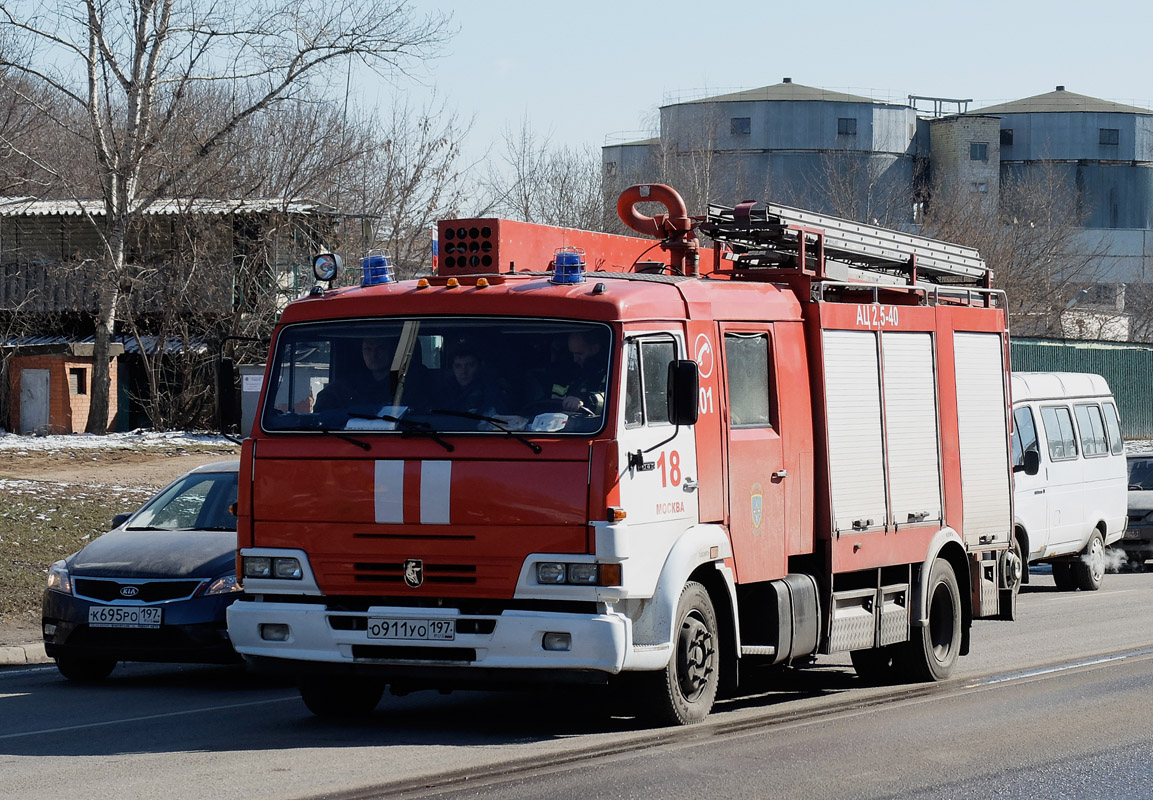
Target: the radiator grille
(109, 589)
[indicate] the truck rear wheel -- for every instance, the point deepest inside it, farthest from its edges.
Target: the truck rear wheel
(933, 648)
(340, 698)
(1089, 568)
(683, 693)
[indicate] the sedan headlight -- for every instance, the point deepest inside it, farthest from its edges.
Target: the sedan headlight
(58, 578)
(225, 584)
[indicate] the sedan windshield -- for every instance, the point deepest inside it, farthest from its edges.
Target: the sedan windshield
(426, 377)
(198, 501)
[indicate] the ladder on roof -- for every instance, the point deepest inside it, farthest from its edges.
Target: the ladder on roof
(778, 236)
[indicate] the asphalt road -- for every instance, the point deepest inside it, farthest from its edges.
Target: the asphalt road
(1055, 704)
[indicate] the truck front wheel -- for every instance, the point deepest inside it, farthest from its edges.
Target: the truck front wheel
(933, 648)
(683, 693)
(340, 698)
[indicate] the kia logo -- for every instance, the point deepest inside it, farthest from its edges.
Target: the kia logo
(129, 591)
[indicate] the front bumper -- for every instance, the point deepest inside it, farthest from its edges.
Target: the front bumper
(487, 648)
(193, 631)
(1137, 542)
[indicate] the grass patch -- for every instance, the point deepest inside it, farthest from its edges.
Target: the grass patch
(44, 522)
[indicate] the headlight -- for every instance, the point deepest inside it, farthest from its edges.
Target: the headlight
(257, 567)
(58, 578)
(550, 573)
(585, 574)
(224, 585)
(578, 574)
(265, 567)
(287, 568)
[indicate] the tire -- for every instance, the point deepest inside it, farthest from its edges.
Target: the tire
(1021, 556)
(932, 651)
(683, 693)
(1063, 576)
(1089, 567)
(85, 670)
(339, 698)
(877, 666)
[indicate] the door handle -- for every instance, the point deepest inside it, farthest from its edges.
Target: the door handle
(689, 485)
(781, 474)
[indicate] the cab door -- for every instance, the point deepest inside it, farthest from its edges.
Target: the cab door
(758, 475)
(1030, 498)
(658, 461)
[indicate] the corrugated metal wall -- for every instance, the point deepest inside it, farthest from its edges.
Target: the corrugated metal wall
(1127, 367)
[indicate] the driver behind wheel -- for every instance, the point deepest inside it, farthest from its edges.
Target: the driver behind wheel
(586, 392)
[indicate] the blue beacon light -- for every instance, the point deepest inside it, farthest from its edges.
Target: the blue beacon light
(569, 265)
(377, 270)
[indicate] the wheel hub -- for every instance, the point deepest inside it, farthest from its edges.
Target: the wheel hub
(695, 653)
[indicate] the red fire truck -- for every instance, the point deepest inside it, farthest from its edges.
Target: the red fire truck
(574, 456)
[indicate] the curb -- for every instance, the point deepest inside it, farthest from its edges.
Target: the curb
(23, 654)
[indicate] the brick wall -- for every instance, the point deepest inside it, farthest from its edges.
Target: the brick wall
(67, 409)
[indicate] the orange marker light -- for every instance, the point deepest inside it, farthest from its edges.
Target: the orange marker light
(451, 283)
(481, 283)
(610, 575)
(422, 283)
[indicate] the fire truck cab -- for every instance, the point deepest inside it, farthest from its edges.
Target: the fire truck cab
(557, 461)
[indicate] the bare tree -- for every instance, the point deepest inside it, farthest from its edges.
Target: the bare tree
(132, 71)
(405, 176)
(1029, 239)
(858, 185)
(536, 181)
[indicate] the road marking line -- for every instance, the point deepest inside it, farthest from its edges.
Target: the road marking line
(144, 718)
(1033, 673)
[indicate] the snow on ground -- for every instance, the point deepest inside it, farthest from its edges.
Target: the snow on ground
(132, 440)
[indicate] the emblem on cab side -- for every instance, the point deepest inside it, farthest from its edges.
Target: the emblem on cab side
(758, 507)
(413, 572)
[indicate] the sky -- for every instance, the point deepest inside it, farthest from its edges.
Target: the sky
(592, 72)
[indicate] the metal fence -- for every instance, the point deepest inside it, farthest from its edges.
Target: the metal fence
(1127, 367)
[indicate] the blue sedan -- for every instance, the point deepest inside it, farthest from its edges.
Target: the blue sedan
(155, 587)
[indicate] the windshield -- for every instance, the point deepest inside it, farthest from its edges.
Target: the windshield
(198, 501)
(435, 376)
(1141, 473)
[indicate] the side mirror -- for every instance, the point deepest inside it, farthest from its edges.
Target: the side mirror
(119, 520)
(683, 388)
(227, 403)
(1032, 465)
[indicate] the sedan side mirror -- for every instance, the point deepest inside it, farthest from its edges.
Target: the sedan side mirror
(119, 520)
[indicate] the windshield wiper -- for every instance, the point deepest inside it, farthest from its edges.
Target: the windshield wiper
(346, 437)
(408, 428)
(497, 423)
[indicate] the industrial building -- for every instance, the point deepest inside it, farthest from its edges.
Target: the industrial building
(886, 162)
